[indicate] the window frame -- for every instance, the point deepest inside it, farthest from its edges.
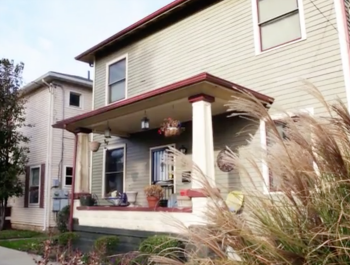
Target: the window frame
(257, 28)
(29, 185)
(263, 137)
(80, 99)
(107, 88)
(112, 147)
(65, 176)
(173, 145)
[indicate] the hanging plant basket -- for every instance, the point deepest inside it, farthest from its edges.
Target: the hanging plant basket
(94, 146)
(170, 127)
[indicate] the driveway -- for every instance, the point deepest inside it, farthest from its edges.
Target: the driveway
(12, 257)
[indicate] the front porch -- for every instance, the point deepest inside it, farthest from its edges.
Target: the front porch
(198, 102)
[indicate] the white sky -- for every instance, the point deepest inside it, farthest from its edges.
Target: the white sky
(46, 35)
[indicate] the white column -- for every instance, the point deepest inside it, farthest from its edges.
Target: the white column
(202, 146)
(82, 164)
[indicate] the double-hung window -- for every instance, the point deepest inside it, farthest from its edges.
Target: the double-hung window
(279, 22)
(116, 81)
(34, 188)
(162, 169)
(114, 169)
(68, 177)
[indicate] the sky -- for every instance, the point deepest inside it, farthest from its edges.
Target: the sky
(46, 35)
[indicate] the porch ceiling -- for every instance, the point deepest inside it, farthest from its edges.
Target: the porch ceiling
(124, 117)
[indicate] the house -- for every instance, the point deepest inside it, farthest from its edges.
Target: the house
(185, 61)
(51, 97)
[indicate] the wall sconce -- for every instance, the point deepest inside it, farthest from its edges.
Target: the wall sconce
(145, 123)
(183, 149)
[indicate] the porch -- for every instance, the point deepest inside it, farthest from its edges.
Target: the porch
(197, 102)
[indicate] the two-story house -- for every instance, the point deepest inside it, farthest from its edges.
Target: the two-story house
(51, 97)
(185, 61)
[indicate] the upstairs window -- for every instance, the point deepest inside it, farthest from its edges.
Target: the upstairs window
(117, 81)
(74, 99)
(279, 22)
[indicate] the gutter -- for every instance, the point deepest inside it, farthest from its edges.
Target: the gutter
(71, 210)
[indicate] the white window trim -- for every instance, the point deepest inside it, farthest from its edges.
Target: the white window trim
(64, 181)
(81, 105)
(265, 169)
(173, 145)
(257, 39)
(110, 147)
(39, 191)
(125, 56)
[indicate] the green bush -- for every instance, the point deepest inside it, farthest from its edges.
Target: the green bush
(161, 245)
(67, 238)
(63, 219)
(105, 245)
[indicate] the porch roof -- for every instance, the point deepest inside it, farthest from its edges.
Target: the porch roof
(203, 83)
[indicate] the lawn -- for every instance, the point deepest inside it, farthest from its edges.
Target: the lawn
(32, 245)
(12, 234)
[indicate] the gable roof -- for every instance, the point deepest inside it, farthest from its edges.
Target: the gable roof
(51, 76)
(160, 19)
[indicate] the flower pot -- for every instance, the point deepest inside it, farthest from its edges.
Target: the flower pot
(87, 200)
(152, 201)
(172, 131)
(94, 146)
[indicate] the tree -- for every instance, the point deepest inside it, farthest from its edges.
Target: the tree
(13, 149)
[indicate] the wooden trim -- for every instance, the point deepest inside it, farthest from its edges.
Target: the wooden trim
(42, 186)
(201, 97)
(135, 209)
(83, 130)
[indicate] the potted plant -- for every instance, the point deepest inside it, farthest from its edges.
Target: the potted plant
(94, 146)
(87, 200)
(153, 193)
(170, 127)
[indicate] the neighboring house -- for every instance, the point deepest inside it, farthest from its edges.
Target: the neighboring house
(50, 98)
(185, 61)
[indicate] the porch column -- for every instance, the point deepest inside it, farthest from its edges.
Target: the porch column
(82, 163)
(202, 144)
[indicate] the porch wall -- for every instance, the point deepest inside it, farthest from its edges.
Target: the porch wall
(231, 132)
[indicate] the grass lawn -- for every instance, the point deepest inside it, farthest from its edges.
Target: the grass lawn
(32, 245)
(11, 234)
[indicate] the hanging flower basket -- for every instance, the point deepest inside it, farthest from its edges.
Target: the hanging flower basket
(94, 146)
(170, 127)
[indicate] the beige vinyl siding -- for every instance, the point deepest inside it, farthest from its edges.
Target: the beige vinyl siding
(220, 40)
(68, 137)
(36, 114)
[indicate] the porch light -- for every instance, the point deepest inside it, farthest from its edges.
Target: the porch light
(108, 133)
(145, 123)
(183, 149)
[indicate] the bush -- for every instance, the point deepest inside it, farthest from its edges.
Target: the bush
(131, 258)
(67, 238)
(63, 219)
(161, 246)
(106, 245)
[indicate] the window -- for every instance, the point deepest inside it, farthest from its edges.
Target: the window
(279, 22)
(68, 177)
(162, 170)
(74, 99)
(34, 187)
(114, 169)
(117, 81)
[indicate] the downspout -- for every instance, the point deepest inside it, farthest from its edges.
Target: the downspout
(343, 33)
(70, 223)
(48, 155)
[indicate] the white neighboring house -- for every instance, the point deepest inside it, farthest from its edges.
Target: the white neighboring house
(51, 97)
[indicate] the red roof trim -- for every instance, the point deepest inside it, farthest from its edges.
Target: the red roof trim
(203, 77)
(139, 23)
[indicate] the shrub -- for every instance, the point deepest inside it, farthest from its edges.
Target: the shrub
(63, 219)
(131, 258)
(161, 246)
(105, 245)
(67, 238)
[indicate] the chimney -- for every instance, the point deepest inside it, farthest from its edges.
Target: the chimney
(88, 75)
